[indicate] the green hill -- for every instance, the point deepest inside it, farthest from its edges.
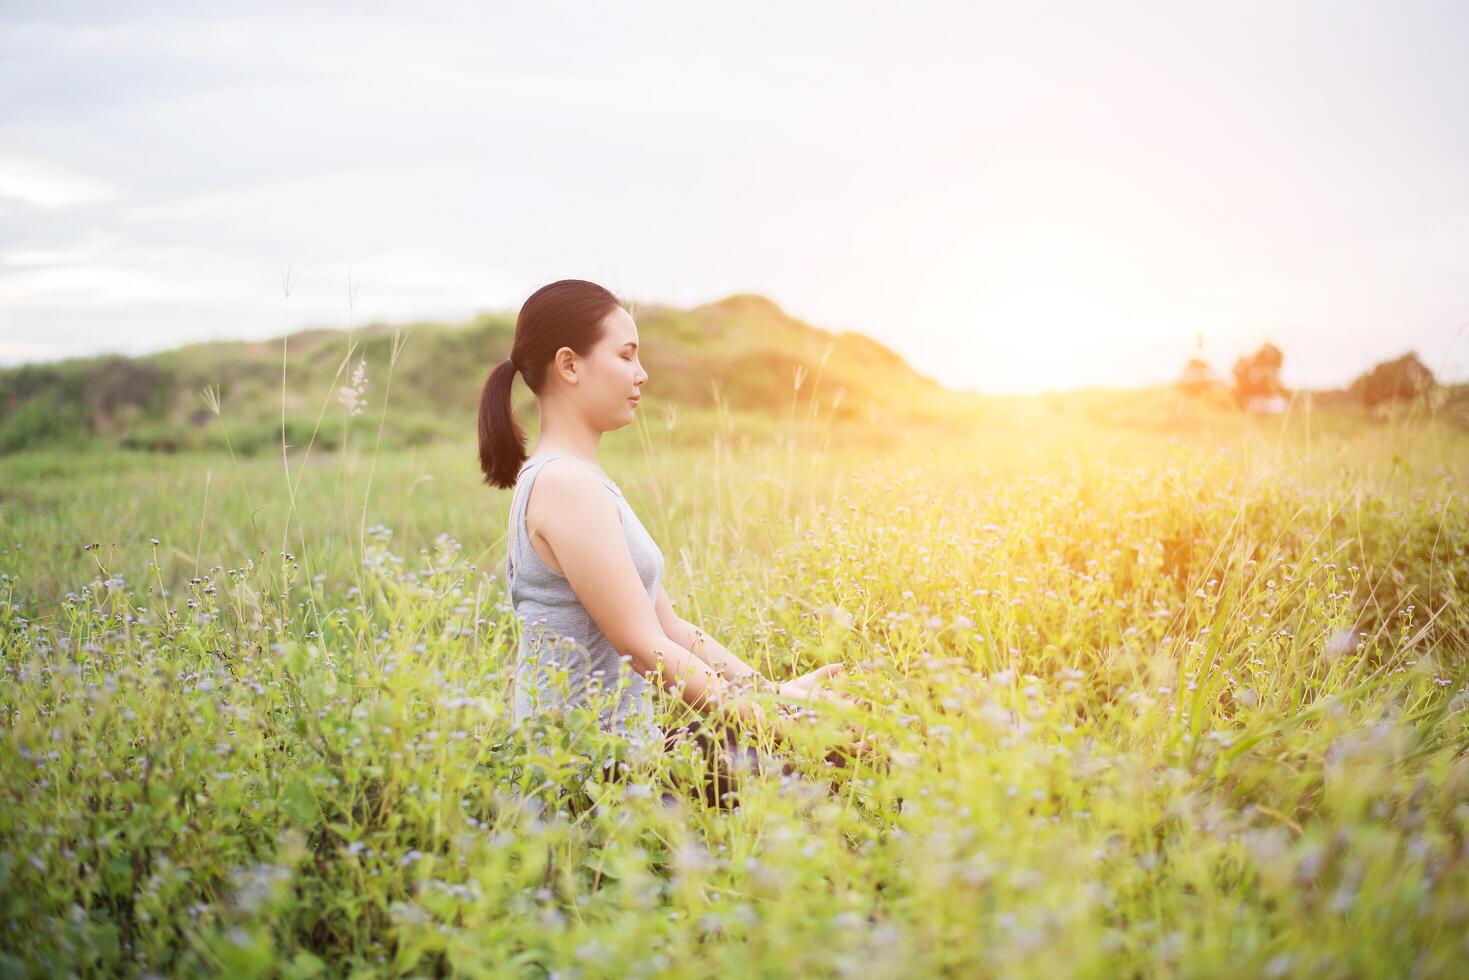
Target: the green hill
(742, 351)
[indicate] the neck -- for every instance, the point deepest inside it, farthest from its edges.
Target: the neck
(568, 434)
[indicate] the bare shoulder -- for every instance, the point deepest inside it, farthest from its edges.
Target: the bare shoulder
(569, 489)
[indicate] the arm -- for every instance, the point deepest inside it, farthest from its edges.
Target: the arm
(587, 540)
(726, 664)
(701, 644)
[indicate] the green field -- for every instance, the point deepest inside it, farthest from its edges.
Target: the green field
(1159, 689)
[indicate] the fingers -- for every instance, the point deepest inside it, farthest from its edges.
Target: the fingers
(824, 673)
(862, 744)
(844, 698)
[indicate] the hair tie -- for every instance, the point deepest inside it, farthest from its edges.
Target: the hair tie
(511, 361)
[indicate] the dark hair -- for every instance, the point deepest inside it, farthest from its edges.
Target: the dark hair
(566, 313)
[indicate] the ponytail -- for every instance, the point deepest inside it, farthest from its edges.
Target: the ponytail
(501, 440)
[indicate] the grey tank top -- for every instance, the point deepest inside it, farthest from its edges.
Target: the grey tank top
(557, 633)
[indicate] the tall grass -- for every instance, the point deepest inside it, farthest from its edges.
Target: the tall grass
(1148, 702)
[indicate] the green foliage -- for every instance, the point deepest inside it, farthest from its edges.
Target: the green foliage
(42, 420)
(1149, 700)
(1403, 379)
(72, 402)
(1258, 375)
(743, 349)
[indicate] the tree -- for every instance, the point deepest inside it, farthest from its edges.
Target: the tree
(1258, 375)
(1404, 379)
(1198, 377)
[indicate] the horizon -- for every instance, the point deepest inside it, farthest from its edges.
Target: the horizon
(1018, 201)
(1222, 368)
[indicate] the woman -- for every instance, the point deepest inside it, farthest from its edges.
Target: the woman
(584, 575)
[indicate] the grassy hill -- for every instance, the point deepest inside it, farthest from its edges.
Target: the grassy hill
(743, 352)
(742, 355)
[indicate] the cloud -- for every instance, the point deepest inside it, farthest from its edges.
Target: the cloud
(91, 245)
(1009, 196)
(48, 185)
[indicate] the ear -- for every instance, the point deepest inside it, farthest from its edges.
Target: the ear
(565, 361)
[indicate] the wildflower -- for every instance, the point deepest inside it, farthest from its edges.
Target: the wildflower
(351, 395)
(1279, 965)
(840, 615)
(1341, 642)
(409, 912)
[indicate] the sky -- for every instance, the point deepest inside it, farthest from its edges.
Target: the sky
(1015, 197)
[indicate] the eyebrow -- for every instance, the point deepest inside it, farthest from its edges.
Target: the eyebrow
(631, 343)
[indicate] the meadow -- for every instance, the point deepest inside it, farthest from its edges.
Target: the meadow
(1158, 690)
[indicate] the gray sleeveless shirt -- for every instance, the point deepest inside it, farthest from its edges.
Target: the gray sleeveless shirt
(557, 633)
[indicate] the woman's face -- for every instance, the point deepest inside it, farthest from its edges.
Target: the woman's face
(611, 375)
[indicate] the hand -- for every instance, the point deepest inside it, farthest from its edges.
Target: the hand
(735, 706)
(810, 686)
(738, 707)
